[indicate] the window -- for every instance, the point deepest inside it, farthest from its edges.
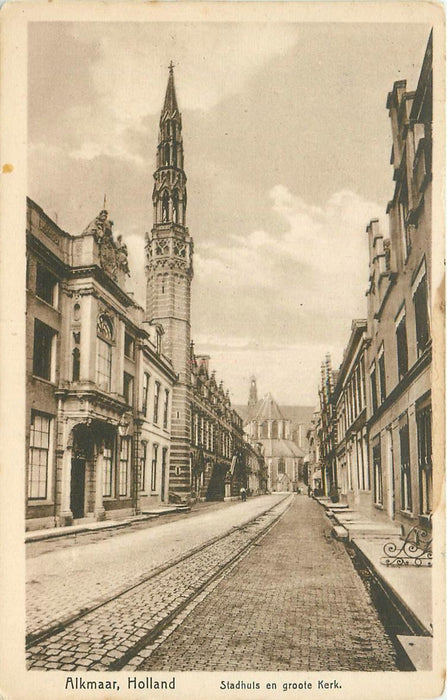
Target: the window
(142, 471)
(420, 301)
(129, 346)
(403, 210)
(43, 350)
(166, 409)
(46, 285)
(124, 467)
(377, 467)
(104, 331)
(158, 338)
(104, 365)
(107, 470)
(76, 364)
(156, 400)
(274, 429)
(382, 375)
(373, 388)
(165, 206)
(281, 465)
(175, 203)
(154, 467)
(405, 476)
(128, 388)
(402, 349)
(39, 452)
(423, 421)
(145, 393)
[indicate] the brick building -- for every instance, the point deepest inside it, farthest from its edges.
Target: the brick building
(382, 393)
(399, 309)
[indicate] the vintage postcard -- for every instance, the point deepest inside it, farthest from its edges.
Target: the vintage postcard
(222, 337)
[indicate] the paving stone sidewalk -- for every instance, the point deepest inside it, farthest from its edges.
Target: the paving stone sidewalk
(293, 603)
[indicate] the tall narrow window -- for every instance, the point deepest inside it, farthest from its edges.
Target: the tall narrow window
(405, 475)
(377, 466)
(165, 207)
(423, 420)
(154, 467)
(43, 350)
(382, 374)
(166, 409)
(124, 467)
(107, 483)
(403, 210)
(104, 353)
(128, 388)
(76, 364)
(373, 388)
(420, 301)
(402, 348)
(156, 400)
(175, 203)
(39, 453)
(145, 393)
(142, 470)
(281, 465)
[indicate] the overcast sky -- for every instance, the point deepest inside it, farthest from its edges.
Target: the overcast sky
(287, 146)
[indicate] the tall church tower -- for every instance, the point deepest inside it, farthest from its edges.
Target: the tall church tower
(169, 273)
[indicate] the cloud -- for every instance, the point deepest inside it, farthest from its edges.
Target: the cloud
(316, 261)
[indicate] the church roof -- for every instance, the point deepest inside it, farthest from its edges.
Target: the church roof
(170, 105)
(279, 447)
(267, 409)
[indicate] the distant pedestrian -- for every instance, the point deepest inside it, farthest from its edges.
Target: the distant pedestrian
(309, 491)
(243, 494)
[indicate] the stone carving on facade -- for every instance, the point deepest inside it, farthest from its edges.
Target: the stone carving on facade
(113, 256)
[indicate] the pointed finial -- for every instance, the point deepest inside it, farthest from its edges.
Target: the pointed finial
(171, 67)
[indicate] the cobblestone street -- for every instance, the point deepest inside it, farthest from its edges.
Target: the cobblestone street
(293, 603)
(63, 582)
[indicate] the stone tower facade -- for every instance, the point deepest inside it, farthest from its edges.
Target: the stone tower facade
(169, 273)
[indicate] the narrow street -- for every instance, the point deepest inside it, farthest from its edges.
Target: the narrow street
(276, 593)
(293, 603)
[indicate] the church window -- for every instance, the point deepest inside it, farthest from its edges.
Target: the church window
(165, 207)
(281, 465)
(264, 429)
(166, 154)
(275, 429)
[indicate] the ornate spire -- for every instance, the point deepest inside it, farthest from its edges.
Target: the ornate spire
(170, 108)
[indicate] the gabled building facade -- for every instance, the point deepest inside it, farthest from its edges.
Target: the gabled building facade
(399, 316)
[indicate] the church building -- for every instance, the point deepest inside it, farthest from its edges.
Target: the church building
(266, 424)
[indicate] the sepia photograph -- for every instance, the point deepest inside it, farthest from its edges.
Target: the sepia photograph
(228, 297)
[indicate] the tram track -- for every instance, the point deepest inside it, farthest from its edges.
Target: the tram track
(107, 635)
